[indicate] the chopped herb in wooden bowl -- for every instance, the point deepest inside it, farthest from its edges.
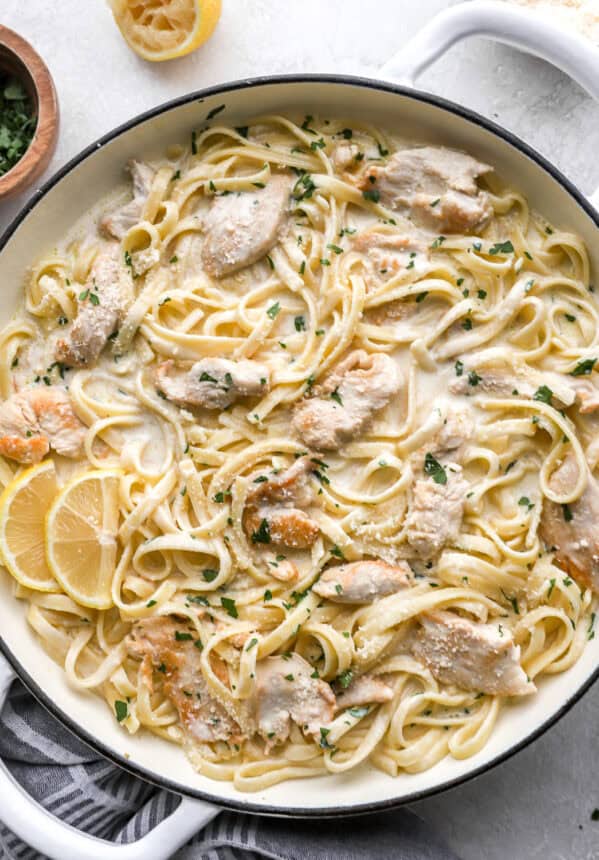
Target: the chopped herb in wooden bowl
(17, 122)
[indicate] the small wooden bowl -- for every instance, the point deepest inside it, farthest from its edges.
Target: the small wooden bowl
(18, 58)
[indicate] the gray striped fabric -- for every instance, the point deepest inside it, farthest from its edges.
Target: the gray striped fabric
(91, 793)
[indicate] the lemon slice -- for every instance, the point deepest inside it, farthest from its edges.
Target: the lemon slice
(164, 29)
(81, 537)
(23, 507)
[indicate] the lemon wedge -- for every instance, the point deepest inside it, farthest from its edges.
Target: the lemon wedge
(81, 537)
(23, 507)
(160, 30)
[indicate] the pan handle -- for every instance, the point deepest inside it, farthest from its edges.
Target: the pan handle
(521, 28)
(55, 839)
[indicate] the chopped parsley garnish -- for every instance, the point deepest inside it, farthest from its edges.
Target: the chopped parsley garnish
(433, 468)
(358, 713)
(300, 323)
(317, 144)
(268, 594)
(324, 261)
(336, 397)
(551, 587)
(209, 574)
(567, 513)
(421, 297)
(304, 187)
(570, 317)
(323, 739)
(583, 368)
(438, 242)
(121, 710)
(194, 145)
(336, 249)
(482, 294)
(251, 644)
(242, 130)
(474, 378)
(269, 260)
(336, 552)
(273, 310)
(150, 603)
(262, 535)
(229, 604)
(543, 394)
(345, 678)
(467, 324)
(372, 194)
(513, 602)
(174, 259)
(182, 637)
(459, 368)
(525, 502)
(502, 248)
(205, 377)
(306, 124)
(347, 133)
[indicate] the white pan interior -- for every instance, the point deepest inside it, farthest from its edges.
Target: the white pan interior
(94, 178)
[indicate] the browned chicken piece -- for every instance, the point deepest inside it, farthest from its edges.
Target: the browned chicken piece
(473, 656)
(587, 396)
(154, 641)
(362, 581)
(273, 509)
(344, 155)
(512, 382)
(344, 406)
(212, 383)
(434, 186)
(118, 222)
(456, 429)
(572, 530)
(102, 306)
(287, 691)
(364, 690)
(284, 571)
(390, 253)
(37, 419)
(436, 513)
(242, 228)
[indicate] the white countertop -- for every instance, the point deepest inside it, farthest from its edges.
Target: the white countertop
(538, 804)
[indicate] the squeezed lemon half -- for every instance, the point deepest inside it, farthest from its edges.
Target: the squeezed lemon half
(160, 30)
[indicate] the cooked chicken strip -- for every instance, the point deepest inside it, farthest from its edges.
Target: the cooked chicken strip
(107, 295)
(389, 254)
(344, 155)
(273, 509)
(362, 581)
(344, 406)
(241, 228)
(434, 186)
(153, 640)
(213, 383)
(285, 691)
(119, 221)
(512, 382)
(436, 513)
(477, 657)
(365, 690)
(573, 530)
(37, 419)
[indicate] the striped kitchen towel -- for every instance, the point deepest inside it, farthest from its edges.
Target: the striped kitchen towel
(93, 794)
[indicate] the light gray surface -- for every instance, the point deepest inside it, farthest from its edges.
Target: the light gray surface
(537, 805)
